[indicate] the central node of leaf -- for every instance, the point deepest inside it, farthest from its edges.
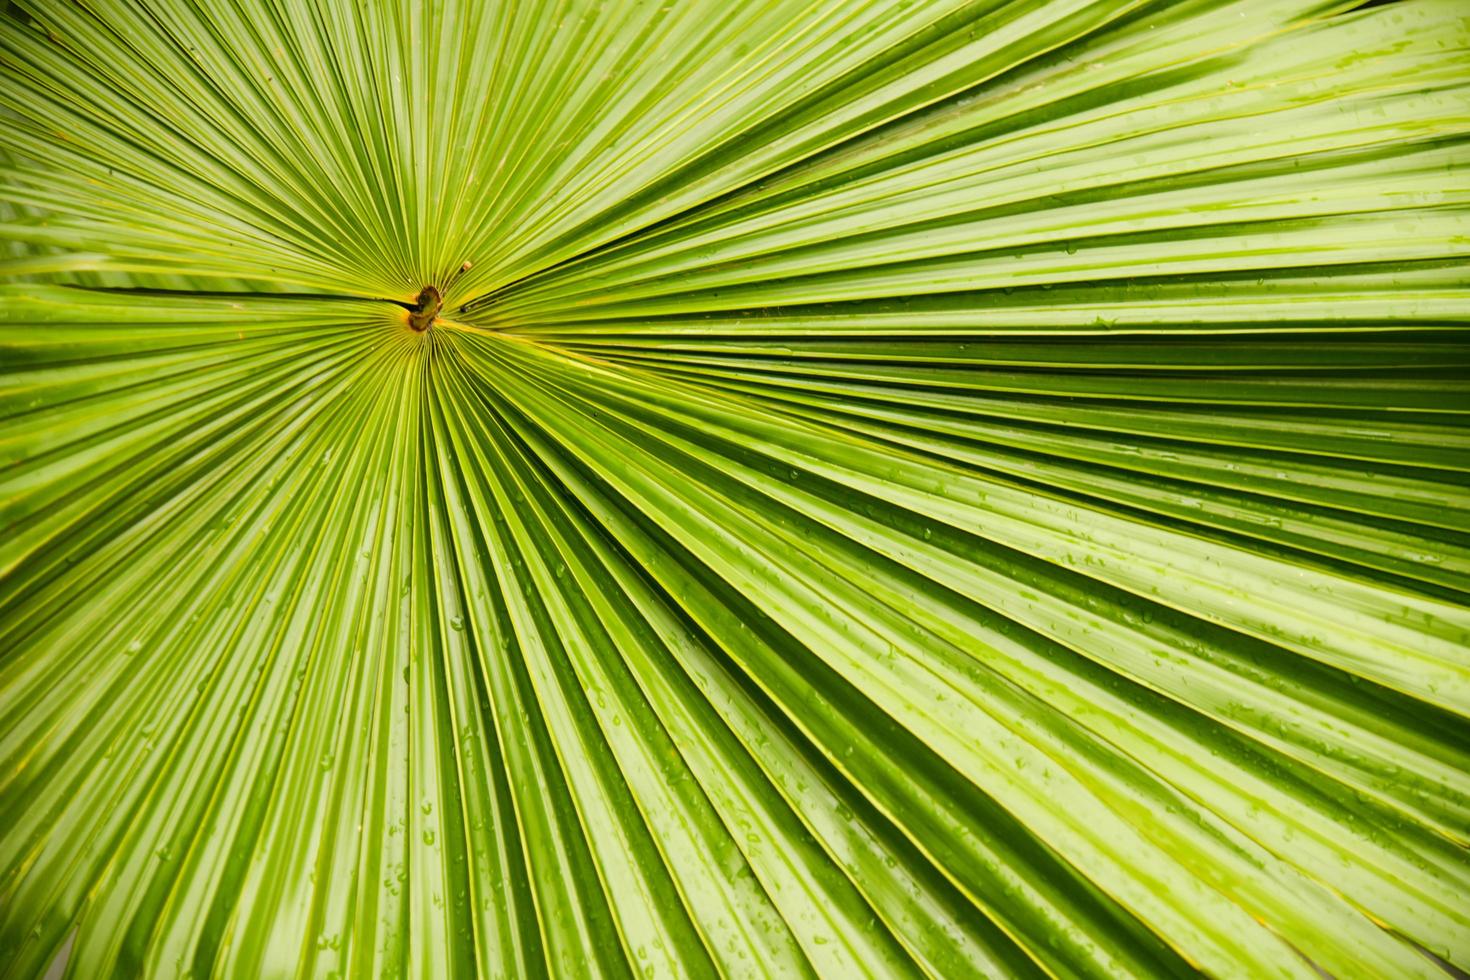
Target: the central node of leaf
(427, 306)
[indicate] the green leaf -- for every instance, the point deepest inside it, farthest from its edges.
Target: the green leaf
(841, 488)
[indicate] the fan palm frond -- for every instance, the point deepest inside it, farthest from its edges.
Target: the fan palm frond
(957, 488)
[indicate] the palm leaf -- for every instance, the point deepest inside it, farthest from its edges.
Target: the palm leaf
(956, 488)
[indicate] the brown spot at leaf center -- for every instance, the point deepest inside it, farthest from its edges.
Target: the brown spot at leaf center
(429, 302)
